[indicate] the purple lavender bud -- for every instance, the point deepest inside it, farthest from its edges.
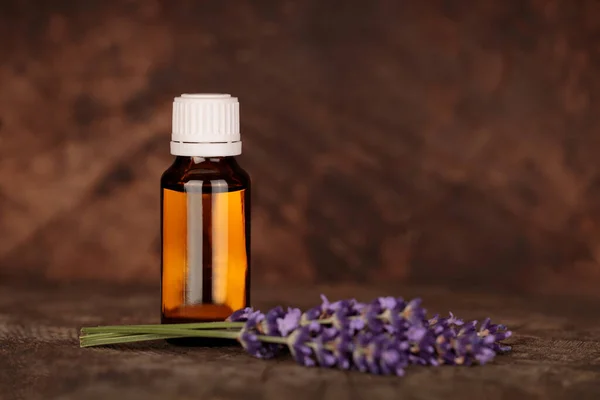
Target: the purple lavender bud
(324, 353)
(452, 320)
(359, 354)
(487, 328)
(413, 311)
(371, 314)
(311, 315)
(399, 325)
(298, 345)
(343, 350)
(485, 325)
(357, 307)
(350, 306)
(346, 316)
(254, 319)
(314, 327)
(289, 322)
(438, 329)
(485, 355)
(393, 362)
(324, 356)
(488, 340)
(468, 328)
(416, 334)
(240, 315)
(443, 343)
(389, 360)
(249, 340)
(327, 333)
(255, 347)
(356, 324)
(463, 344)
(422, 345)
(326, 306)
(390, 329)
(434, 320)
(373, 353)
(340, 320)
(387, 303)
(388, 356)
(270, 324)
(346, 307)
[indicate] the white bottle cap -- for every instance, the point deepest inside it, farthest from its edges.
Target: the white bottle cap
(206, 125)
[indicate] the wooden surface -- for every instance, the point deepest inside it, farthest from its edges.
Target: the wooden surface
(556, 351)
(421, 141)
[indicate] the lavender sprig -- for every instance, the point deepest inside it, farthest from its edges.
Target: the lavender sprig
(380, 337)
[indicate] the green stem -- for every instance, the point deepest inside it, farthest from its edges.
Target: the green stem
(101, 335)
(137, 334)
(172, 330)
(194, 325)
(117, 339)
(130, 334)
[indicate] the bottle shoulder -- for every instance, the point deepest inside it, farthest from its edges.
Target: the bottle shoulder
(222, 174)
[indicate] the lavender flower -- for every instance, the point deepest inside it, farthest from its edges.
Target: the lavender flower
(387, 303)
(327, 309)
(240, 315)
(372, 315)
(393, 362)
(270, 324)
(397, 314)
(299, 345)
(422, 346)
(393, 357)
(346, 317)
(413, 311)
(380, 354)
(250, 341)
(381, 337)
(342, 349)
(289, 322)
(497, 332)
(322, 311)
(452, 320)
(312, 314)
(359, 355)
(324, 353)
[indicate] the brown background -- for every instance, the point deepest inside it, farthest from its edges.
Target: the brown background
(446, 142)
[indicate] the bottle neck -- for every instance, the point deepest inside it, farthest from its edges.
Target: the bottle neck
(199, 161)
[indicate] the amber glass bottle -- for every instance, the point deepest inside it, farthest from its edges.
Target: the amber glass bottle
(205, 214)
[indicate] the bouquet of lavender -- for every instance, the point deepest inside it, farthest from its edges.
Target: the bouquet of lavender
(380, 337)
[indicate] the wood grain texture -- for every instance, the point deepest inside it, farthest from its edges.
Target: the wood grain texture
(556, 350)
(413, 141)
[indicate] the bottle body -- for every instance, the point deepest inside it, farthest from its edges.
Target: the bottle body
(205, 231)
